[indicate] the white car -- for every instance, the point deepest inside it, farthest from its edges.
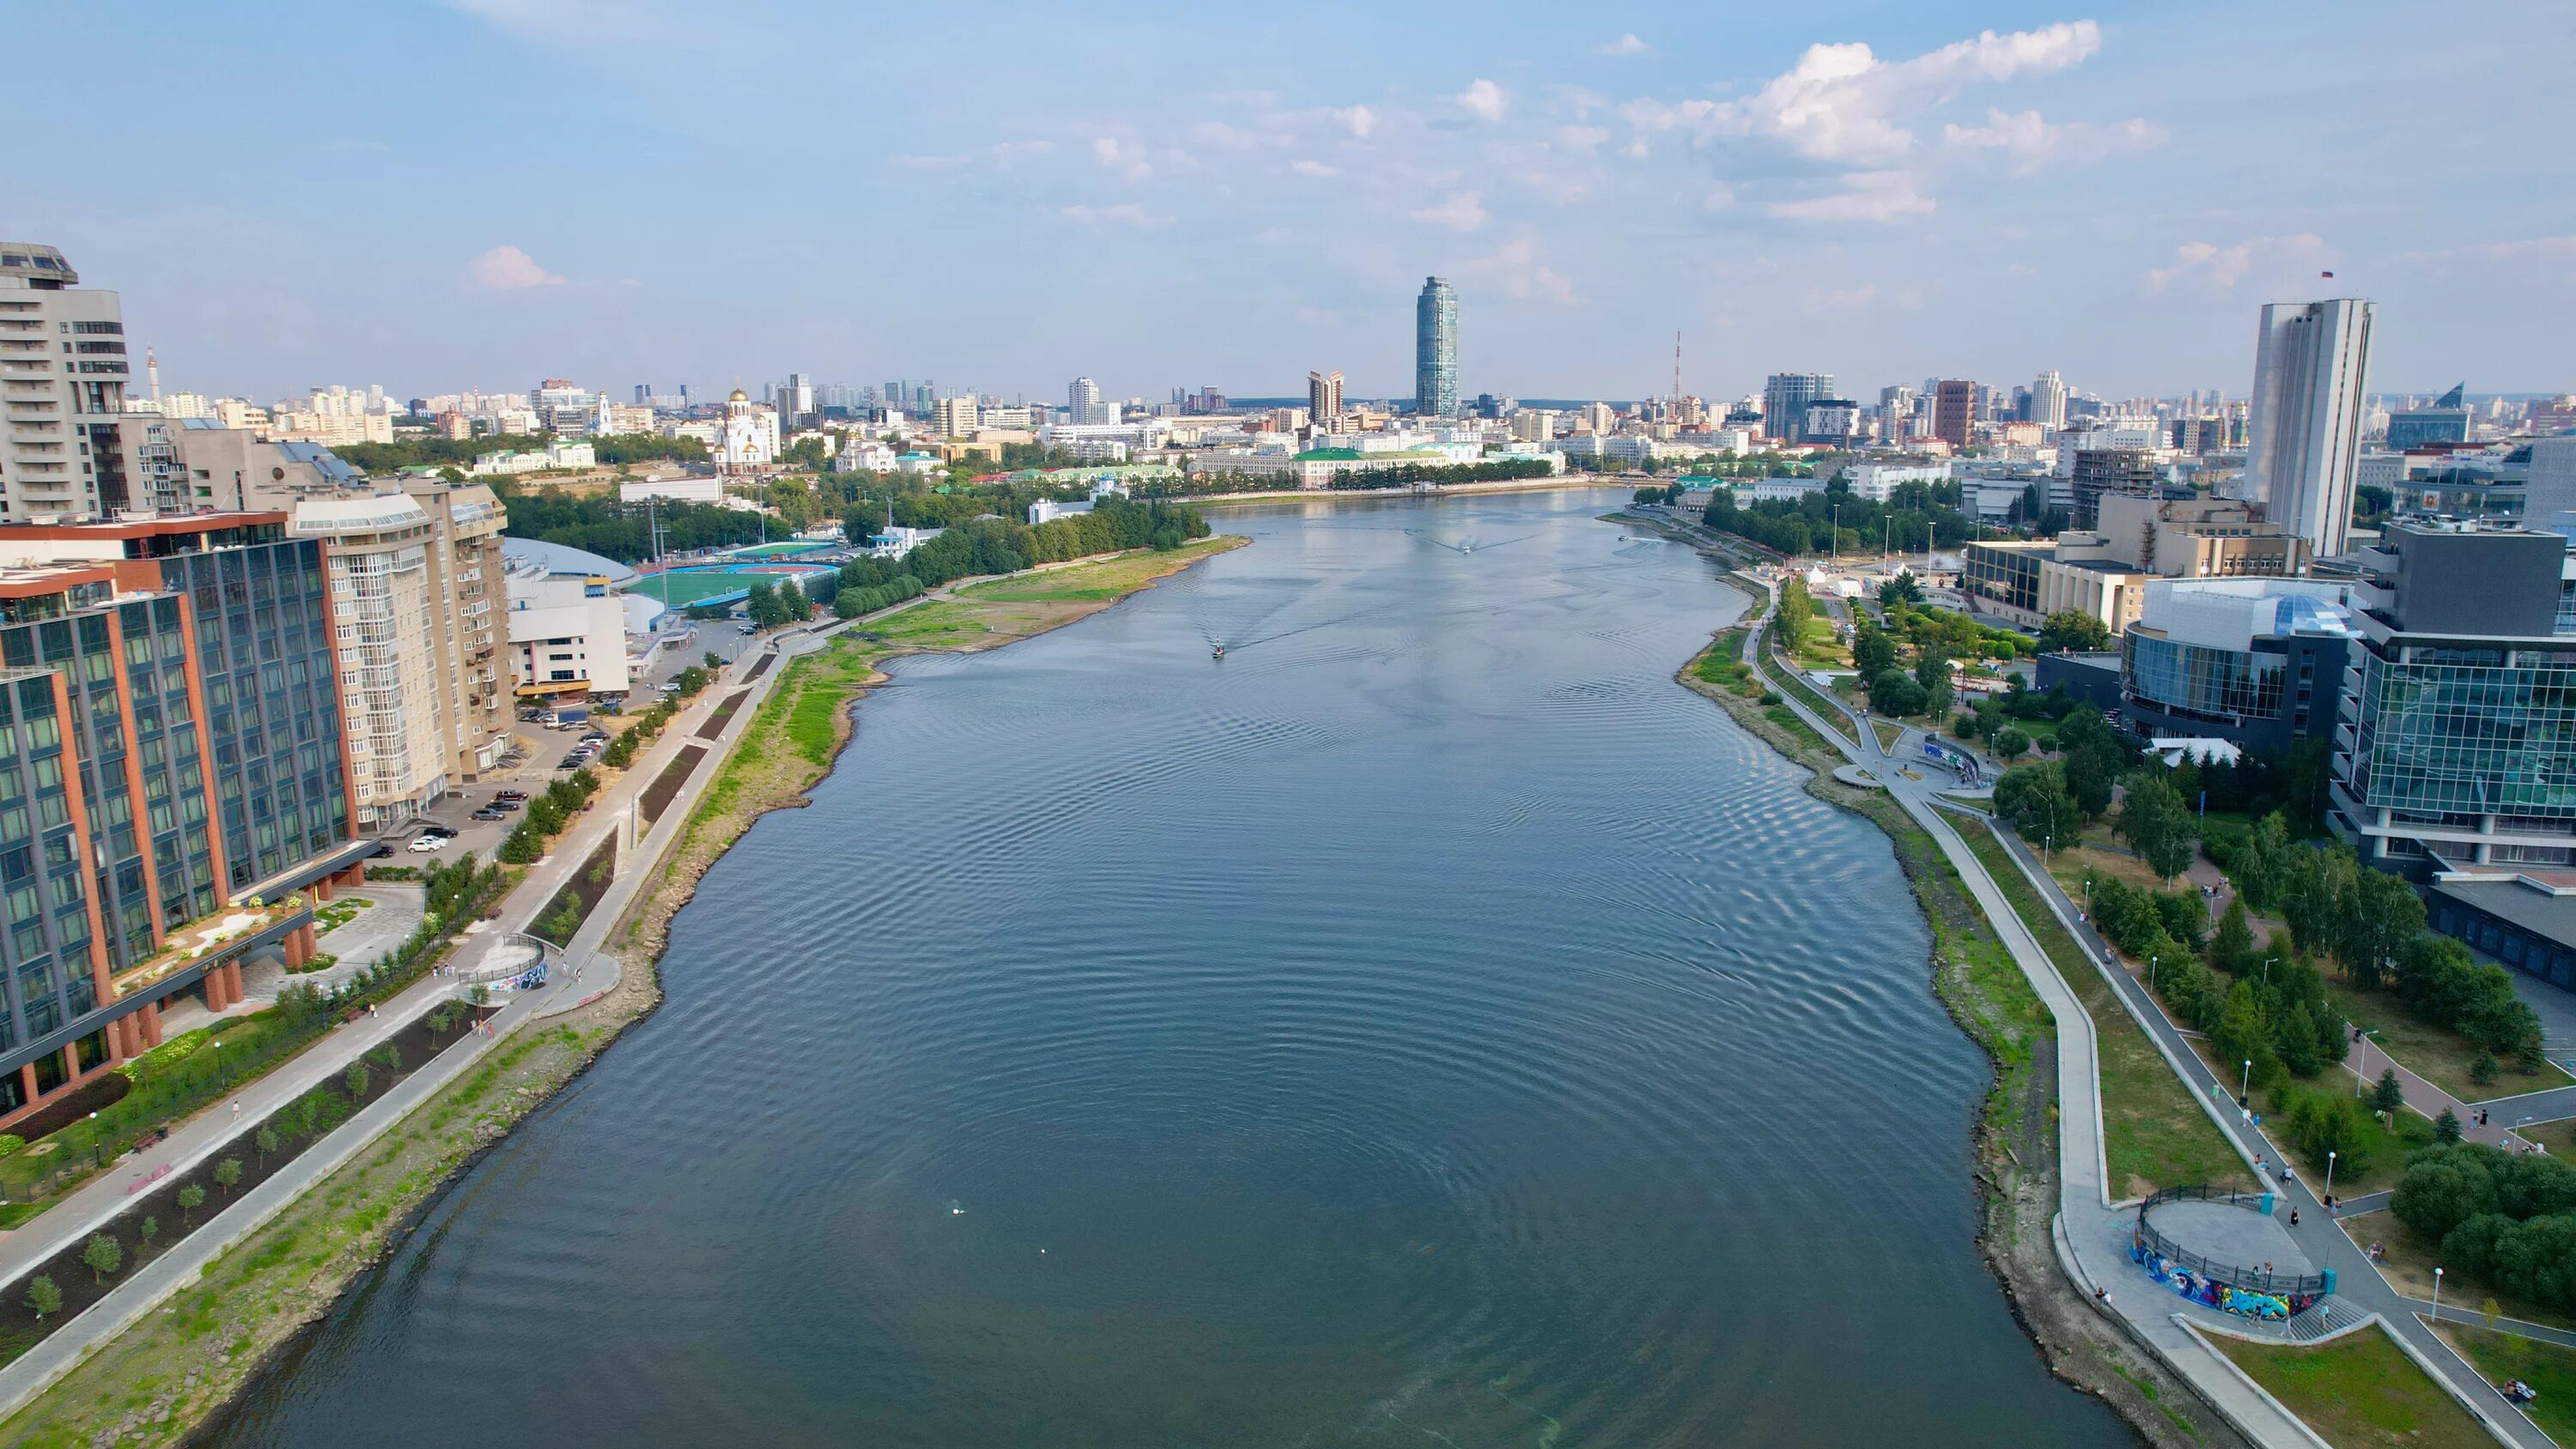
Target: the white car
(428, 843)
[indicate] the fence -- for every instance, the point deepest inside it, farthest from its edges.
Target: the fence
(2149, 1239)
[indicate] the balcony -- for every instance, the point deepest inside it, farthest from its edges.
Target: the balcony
(205, 942)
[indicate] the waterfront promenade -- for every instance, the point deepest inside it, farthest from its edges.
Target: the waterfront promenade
(577, 976)
(2092, 1232)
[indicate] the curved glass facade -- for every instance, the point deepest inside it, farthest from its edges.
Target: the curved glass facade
(2225, 685)
(2468, 732)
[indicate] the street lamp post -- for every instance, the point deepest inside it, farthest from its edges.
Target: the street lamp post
(2330, 1159)
(2151, 975)
(216, 1044)
(2437, 1295)
(2267, 969)
(97, 1149)
(2245, 1086)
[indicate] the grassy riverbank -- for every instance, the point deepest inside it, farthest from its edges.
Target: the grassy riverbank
(2015, 1151)
(2359, 1391)
(161, 1381)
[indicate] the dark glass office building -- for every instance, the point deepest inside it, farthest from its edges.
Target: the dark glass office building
(169, 744)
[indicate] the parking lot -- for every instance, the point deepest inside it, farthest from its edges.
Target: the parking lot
(541, 751)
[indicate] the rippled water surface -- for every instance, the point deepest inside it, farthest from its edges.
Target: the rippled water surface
(1429, 1024)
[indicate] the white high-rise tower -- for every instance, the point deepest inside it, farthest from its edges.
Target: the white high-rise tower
(2048, 400)
(2303, 440)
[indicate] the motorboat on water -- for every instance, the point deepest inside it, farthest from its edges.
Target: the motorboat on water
(1220, 651)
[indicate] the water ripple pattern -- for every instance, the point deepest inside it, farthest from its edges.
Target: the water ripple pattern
(1426, 1024)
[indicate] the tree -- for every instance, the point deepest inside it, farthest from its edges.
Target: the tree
(149, 1228)
(1895, 693)
(1932, 671)
(356, 1078)
(2389, 1095)
(103, 1255)
(191, 1198)
(2034, 800)
(714, 661)
(1873, 653)
(2232, 950)
(2244, 1033)
(2088, 781)
(1794, 611)
(1905, 588)
(2155, 823)
(2381, 915)
(2328, 1122)
(266, 1141)
(2446, 1128)
(690, 680)
(2073, 629)
(228, 1173)
(43, 1297)
(2011, 744)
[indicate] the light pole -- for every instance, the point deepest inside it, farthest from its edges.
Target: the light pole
(2267, 969)
(222, 1071)
(2330, 1157)
(2151, 976)
(2245, 1086)
(2437, 1295)
(97, 1149)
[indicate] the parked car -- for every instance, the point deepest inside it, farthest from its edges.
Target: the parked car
(599, 735)
(444, 832)
(749, 629)
(572, 762)
(504, 806)
(515, 797)
(490, 813)
(428, 843)
(383, 849)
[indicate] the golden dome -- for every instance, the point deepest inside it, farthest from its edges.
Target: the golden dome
(739, 396)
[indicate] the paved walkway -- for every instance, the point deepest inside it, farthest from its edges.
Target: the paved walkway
(2092, 1233)
(583, 976)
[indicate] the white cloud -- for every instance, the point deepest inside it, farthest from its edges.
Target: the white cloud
(1627, 44)
(2220, 268)
(1518, 273)
(1867, 196)
(1001, 156)
(1841, 103)
(1124, 213)
(2504, 251)
(1824, 299)
(508, 269)
(1119, 156)
(1360, 121)
(1581, 139)
(1461, 211)
(1483, 100)
(1236, 138)
(2032, 143)
(1314, 168)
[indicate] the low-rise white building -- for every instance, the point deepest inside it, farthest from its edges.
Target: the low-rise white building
(567, 623)
(863, 455)
(675, 490)
(564, 455)
(1877, 482)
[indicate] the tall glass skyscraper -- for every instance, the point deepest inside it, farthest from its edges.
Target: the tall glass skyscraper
(1435, 350)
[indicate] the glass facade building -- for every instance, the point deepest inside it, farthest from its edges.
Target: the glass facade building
(2447, 732)
(2456, 751)
(1435, 350)
(169, 742)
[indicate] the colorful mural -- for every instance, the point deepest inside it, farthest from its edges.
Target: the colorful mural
(2202, 1289)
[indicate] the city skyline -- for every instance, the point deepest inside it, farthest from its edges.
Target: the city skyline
(1869, 191)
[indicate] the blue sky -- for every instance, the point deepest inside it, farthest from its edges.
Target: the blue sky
(487, 192)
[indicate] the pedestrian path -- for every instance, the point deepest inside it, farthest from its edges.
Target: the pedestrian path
(586, 975)
(2091, 1233)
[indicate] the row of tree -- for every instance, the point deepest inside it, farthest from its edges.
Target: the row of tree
(1914, 517)
(2508, 1218)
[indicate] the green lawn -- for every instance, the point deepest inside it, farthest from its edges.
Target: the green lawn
(2359, 1391)
(2386, 1151)
(2409, 1262)
(2434, 1053)
(2153, 1134)
(2547, 1367)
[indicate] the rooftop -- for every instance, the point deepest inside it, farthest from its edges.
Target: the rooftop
(37, 262)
